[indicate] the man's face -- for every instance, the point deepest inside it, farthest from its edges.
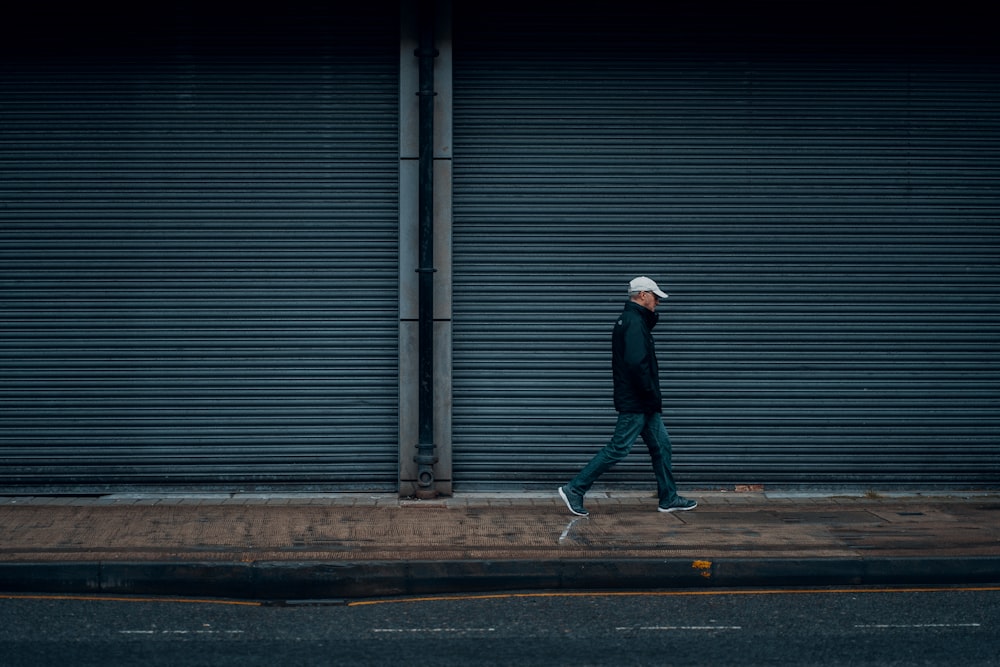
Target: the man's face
(649, 301)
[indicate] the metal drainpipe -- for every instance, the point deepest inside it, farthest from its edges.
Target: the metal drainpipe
(426, 53)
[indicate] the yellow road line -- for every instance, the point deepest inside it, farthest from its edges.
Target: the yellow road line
(507, 596)
(776, 591)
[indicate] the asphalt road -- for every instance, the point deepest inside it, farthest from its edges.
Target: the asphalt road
(927, 626)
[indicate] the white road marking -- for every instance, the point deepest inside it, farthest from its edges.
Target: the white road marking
(682, 627)
(434, 630)
(883, 626)
(180, 632)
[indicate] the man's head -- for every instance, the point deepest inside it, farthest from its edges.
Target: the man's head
(645, 292)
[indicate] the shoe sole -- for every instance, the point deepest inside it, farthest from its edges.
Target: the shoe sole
(562, 494)
(676, 509)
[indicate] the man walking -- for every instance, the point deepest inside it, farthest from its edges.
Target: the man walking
(638, 401)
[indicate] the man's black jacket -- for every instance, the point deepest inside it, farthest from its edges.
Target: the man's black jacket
(633, 361)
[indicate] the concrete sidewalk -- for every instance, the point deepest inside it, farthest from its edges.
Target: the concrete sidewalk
(333, 546)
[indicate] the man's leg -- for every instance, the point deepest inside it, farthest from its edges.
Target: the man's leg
(626, 431)
(654, 434)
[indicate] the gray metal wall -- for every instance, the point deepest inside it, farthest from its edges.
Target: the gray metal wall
(817, 193)
(198, 254)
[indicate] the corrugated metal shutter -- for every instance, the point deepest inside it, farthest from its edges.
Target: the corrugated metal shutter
(199, 251)
(821, 205)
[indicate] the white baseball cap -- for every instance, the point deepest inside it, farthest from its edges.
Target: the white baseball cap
(644, 284)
